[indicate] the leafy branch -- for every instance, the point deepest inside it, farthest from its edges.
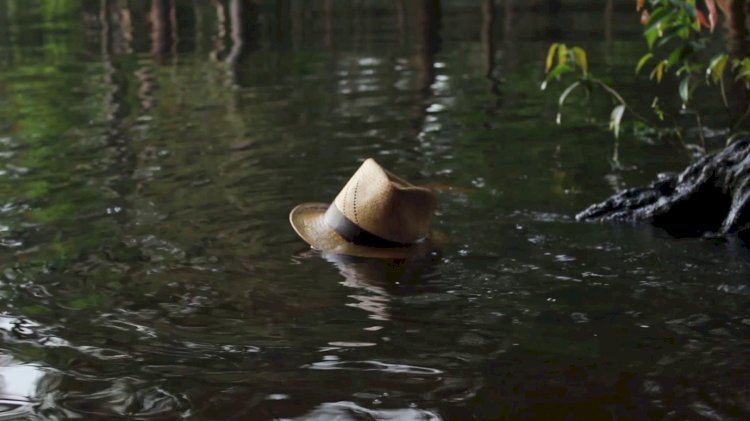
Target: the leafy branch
(561, 60)
(677, 34)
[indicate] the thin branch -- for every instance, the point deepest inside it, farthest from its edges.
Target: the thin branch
(700, 129)
(615, 160)
(678, 133)
(622, 101)
(724, 94)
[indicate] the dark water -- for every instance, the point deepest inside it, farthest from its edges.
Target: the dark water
(150, 153)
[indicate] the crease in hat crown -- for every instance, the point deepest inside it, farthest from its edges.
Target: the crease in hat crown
(386, 205)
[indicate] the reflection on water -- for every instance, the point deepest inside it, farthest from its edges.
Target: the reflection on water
(22, 387)
(150, 153)
(350, 411)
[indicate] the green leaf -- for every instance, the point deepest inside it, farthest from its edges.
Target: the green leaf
(550, 56)
(745, 74)
(658, 15)
(555, 73)
(674, 57)
(567, 91)
(651, 36)
(646, 57)
(685, 90)
(616, 118)
(716, 67)
(668, 34)
(579, 55)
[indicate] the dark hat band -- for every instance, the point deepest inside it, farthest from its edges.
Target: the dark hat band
(353, 233)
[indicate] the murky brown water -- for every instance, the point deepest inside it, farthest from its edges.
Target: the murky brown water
(151, 151)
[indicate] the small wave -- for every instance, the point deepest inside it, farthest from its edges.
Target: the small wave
(345, 411)
(125, 397)
(537, 216)
(372, 366)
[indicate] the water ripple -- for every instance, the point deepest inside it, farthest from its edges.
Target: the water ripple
(349, 411)
(126, 397)
(373, 366)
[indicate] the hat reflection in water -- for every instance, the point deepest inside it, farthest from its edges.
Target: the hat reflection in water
(377, 282)
(372, 296)
(376, 214)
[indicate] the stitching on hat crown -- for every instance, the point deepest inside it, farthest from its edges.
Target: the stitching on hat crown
(346, 199)
(356, 187)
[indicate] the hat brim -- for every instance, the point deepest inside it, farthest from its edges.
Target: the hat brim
(307, 221)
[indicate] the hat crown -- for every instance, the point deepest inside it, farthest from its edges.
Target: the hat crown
(383, 204)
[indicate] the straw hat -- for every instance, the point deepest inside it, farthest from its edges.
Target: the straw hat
(376, 214)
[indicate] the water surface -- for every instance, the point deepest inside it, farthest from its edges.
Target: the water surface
(150, 153)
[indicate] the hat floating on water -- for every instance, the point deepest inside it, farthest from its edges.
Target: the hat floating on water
(376, 214)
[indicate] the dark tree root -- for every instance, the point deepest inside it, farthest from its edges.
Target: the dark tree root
(710, 197)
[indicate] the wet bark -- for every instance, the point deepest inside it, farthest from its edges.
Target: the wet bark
(711, 196)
